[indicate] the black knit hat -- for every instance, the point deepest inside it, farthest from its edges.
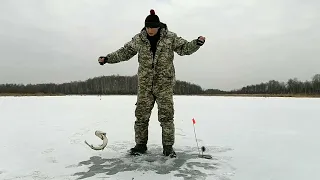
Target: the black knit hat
(152, 20)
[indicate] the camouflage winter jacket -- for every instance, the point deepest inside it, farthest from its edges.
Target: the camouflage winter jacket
(158, 72)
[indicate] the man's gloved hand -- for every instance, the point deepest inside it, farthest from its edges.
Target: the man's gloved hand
(102, 60)
(201, 40)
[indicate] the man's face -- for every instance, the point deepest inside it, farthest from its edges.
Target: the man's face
(152, 31)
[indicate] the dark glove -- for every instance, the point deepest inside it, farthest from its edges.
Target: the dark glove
(200, 42)
(102, 60)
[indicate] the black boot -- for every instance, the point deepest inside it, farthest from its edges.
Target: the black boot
(138, 149)
(168, 151)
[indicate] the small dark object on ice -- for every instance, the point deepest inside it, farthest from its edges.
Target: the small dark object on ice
(206, 156)
(203, 149)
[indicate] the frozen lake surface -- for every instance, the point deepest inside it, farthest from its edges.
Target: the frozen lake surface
(248, 137)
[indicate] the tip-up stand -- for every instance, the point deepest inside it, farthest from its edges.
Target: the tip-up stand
(206, 156)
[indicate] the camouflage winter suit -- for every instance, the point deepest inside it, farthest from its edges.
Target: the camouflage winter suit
(156, 79)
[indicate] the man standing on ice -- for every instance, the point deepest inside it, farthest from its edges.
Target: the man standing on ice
(155, 46)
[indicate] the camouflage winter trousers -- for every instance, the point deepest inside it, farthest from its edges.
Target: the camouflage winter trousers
(145, 103)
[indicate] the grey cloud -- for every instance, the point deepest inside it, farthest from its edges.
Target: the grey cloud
(247, 42)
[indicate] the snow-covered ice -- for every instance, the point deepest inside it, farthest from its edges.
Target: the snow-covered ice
(248, 137)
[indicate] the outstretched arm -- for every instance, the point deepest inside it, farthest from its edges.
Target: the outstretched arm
(184, 47)
(125, 53)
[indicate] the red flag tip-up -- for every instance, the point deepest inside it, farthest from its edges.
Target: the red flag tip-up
(193, 121)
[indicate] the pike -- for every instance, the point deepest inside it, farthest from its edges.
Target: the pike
(103, 137)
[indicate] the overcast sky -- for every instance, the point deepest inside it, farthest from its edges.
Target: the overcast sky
(247, 42)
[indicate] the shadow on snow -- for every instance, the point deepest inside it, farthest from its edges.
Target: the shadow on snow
(185, 165)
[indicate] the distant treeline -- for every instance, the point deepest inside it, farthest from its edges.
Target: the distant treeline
(292, 86)
(99, 86)
(126, 85)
